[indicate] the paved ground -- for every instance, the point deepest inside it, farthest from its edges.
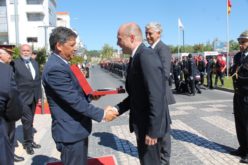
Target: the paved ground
(202, 130)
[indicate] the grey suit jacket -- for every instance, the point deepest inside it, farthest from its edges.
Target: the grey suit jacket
(165, 56)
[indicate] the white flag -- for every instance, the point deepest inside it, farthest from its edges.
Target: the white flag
(180, 24)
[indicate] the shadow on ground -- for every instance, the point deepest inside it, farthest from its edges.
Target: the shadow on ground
(107, 139)
(189, 137)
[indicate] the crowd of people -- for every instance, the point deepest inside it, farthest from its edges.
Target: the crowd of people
(148, 79)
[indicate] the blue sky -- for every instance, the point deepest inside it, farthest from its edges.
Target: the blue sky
(97, 21)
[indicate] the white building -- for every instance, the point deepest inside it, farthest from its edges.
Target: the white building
(63, 19)
(27, 21)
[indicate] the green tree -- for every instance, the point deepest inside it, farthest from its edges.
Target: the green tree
(41, 58)
(16, 53)
(233, 45)
(107, 51)
(77, 60)
(198, 48)
(93, 53)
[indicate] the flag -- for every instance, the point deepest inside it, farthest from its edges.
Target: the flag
(229, 5)
(180, 24)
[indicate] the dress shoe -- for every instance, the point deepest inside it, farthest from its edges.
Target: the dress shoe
(18, 158)
(244, 159)
(237, 152)
(34, 145)
(29, 149)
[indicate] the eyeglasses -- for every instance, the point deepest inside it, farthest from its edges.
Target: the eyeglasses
(241, 42)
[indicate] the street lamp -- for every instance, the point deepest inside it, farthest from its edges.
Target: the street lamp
(45, 29)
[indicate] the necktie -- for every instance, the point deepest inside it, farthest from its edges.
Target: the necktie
(30, 68)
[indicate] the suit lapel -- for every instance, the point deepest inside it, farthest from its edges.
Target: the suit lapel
(24, 67)
(131, 66)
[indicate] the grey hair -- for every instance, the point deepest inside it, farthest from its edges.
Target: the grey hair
(60, 35)
(155, 26)
(2, 51)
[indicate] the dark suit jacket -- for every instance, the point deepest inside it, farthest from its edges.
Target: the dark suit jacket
(165, 56)
(146, 95)
(29, 88)
(71, 111)
(10, 111)
(10, 102)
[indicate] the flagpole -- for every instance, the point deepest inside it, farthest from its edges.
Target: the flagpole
(178, 39)
(227, 37)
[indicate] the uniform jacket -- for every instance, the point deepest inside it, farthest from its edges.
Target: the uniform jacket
(146, 95)
(10, 101)
(70, 109)
(165, 56)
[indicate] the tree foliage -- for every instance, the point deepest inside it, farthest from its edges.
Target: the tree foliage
(107, 51)
(77, 60)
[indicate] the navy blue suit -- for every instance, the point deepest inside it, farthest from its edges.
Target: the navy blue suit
(147, 102)
(9, 112)
(70, 109)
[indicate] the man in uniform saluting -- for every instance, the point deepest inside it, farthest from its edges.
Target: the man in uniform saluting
(240, 99)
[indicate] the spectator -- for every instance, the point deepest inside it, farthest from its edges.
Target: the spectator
(28, 82)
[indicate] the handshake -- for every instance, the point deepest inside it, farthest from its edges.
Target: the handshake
(110, 113)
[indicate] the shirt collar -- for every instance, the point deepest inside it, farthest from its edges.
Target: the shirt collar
(2, 61)
(246, 53)
(134, 51)
(61, 58)
(155, 43)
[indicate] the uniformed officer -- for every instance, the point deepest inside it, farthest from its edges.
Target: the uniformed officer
(240, 100)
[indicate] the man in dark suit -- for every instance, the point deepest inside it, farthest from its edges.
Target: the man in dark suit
(10, 112)
(153, 36)
(6, 58)
(28, 82)
(149, 115)
(70, 107)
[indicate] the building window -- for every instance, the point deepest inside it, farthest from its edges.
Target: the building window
(34, 2)
(35, 16)
(32, 39)
(2, 2)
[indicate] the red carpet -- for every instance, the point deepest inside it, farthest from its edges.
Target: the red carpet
(105, 160)
(46, 109)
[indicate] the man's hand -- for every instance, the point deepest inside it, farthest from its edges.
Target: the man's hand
(150, 141)
(95, 97)
(110, 114)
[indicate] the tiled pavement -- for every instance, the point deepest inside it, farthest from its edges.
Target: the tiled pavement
(202, 133)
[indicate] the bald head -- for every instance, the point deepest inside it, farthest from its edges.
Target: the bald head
(129, 37)
(132, 29)
(5, 57)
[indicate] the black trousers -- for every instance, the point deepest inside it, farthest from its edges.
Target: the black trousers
(209, 79)
(240, 104)
(166, 149)
(27, 123)
(149, 154)
(11, 134)
(73, 153)
(219, 75)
